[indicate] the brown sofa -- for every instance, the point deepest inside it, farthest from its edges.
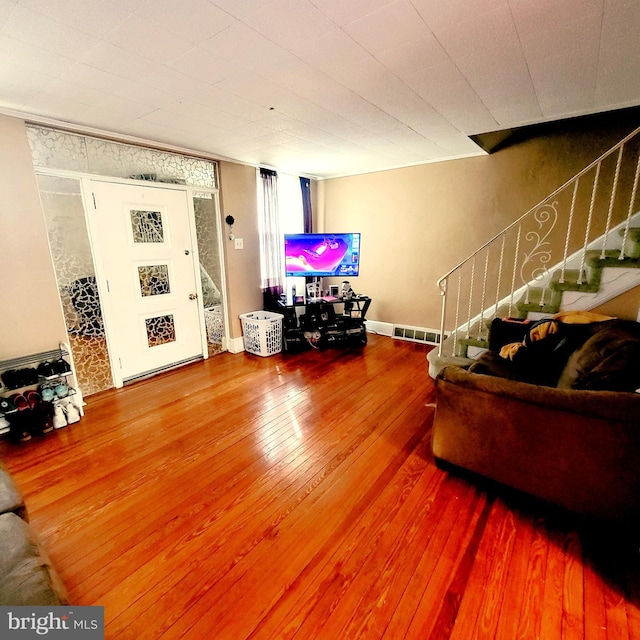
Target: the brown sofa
(574, 447)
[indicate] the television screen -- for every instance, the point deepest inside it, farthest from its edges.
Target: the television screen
(322, 254)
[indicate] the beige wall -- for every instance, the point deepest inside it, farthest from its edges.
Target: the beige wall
(419, 222)
(238, 198)
(625, 306)
(416, 224)
(31, 320)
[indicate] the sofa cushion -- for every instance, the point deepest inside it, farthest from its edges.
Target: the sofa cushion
(491, 363)
(507, 330)
(27, 577)
(608, 361)
(540, 357)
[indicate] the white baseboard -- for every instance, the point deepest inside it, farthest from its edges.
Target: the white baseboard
(235, 345)
(381, 328)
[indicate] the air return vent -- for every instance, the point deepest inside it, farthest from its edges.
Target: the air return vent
(416, 334)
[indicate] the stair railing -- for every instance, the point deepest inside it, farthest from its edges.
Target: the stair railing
(524, 251)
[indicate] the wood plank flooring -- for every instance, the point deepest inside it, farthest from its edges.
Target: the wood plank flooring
(296, 497)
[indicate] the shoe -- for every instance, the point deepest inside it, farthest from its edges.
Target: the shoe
(61, 390)
(6, 406)
(33, 398)
(46, 369)
(19, 427)
(47, 393)
(16, 378)
(71, 412)
(44, 417)
(59, 417)
(61, 366)
(27, 376)
(19, 401)
(10, 379)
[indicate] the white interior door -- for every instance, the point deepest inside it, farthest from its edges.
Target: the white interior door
(152, 313)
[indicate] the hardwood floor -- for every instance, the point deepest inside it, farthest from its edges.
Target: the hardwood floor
(296, 497)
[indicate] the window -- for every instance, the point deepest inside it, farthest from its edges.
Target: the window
(280, 211)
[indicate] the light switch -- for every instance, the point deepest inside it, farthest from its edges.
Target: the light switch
(239, 243)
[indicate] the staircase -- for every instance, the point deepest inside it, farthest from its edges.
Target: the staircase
(576, 249)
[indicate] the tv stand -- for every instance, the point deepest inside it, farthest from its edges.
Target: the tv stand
(325, 322)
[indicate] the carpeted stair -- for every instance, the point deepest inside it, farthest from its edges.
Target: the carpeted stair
(543, 302)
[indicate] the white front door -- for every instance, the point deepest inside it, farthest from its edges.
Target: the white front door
(144, 243)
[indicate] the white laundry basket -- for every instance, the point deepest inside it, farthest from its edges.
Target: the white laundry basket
(262, 332)
(214, 324)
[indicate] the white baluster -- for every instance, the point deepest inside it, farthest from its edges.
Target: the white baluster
(614, 190)
(632, 201)
(588, 229)
(456, 325)
(569, 226)
(484, 291)
(515, 264)
(473, 276)
(500, 274)
(443, 292)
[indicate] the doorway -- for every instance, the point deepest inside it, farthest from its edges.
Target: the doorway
(147, 275)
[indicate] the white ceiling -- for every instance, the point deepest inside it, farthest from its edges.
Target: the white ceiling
(318, 87)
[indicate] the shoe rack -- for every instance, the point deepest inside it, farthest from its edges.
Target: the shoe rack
(38, 393)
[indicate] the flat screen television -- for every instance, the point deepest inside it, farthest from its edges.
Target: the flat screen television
(322, 254)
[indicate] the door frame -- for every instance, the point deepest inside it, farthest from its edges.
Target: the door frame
(101, 278)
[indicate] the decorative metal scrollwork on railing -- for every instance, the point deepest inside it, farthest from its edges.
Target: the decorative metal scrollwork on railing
(534, 267)
(529, 253)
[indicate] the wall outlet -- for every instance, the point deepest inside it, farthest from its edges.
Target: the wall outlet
(239, 244)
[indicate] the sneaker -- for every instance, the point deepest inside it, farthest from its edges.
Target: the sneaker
(59, 417)
(27, 376)
(46, 369)
(10, 379)
(61, 366)
(71, 412)
(6, 406)
(47, 393)
(61, 390)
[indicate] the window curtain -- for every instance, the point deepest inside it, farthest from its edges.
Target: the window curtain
(271, 258)
(307, 217)
(284, 207)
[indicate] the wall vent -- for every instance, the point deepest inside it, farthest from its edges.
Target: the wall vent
(416, 334)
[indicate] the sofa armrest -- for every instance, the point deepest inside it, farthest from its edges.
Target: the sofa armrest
(612, 405)
(27, 577)
(11, 500)
(577, 449)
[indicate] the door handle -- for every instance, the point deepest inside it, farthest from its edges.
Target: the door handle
(193, 296)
